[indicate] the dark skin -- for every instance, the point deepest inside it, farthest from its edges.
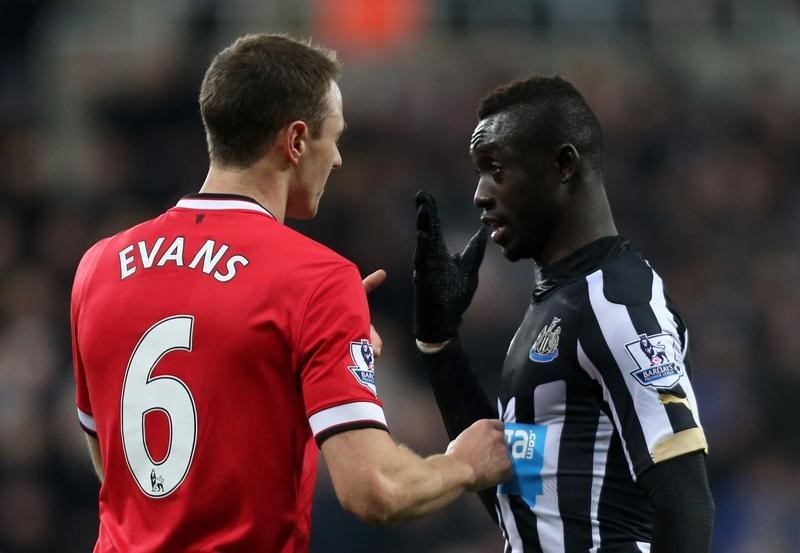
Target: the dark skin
(540, 203)
(545, 203)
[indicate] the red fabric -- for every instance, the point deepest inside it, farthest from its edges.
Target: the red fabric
(268, 348)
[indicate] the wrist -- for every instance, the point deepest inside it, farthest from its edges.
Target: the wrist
(461, 471)
(431, 347)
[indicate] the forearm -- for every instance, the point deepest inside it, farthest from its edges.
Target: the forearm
(421, 486)
(682, 503)
(459, 395)
(396, 483)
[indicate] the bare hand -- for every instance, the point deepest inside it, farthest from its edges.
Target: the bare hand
(371, 282)
(483, 447)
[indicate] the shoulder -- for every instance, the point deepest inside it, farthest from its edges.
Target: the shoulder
(627, 279)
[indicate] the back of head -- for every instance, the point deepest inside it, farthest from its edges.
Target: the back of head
(548, 112)
(256, 86)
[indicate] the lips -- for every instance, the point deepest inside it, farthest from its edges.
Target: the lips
(499, 229)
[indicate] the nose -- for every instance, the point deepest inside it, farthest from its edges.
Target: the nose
(482, 199)
(337, 161)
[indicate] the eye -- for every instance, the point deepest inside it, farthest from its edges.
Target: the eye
(495, 170)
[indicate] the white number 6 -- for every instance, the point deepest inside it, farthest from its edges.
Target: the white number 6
(142, 394)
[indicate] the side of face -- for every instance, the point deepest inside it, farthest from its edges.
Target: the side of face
(317, 157)
(517, 190)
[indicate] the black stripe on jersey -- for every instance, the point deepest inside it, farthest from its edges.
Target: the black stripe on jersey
(87, 429)
(596, 348)
(623, 509)
(526, 525)
(501, 522)
(345, 427)
(678, 321)
(644, 319)
(645, 322)
(575, 467)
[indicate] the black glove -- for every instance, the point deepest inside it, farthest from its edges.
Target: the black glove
(443, 283)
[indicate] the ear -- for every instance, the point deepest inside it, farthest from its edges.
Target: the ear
(295, 141)
(568, 161)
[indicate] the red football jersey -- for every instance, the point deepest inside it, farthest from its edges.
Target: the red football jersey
(211, 345)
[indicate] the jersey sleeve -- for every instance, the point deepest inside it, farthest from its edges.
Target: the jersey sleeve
(637, 350)
(83, 403)
(335, 357)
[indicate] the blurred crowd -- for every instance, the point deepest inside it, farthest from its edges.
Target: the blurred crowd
(99, 129)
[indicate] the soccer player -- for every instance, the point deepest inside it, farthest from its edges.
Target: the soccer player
(596, 393)
(215, 349)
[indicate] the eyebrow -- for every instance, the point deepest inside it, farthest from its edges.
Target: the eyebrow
(484, 147)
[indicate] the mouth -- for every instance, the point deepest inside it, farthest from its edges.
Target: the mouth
(498, 227)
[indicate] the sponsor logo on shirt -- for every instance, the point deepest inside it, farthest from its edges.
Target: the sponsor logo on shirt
(655, 356)
(364, 369)
(526, 448)
(545, 348)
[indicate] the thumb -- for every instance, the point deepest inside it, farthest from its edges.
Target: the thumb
(373, 280)
(472, 256)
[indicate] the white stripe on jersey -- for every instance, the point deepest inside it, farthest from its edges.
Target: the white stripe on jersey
(667, 322)
(342, 414)
(587, 365)
(552, 397)
(200, 203)
(513, 539)
(87, 420)
(617, 329)
(641, 547)
(602, 440)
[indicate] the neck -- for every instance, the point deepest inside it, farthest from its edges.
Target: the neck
(587, 219)
(259, 181)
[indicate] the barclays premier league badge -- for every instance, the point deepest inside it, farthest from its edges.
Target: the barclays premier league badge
(364, 369)
(526, 447)
(655, 356)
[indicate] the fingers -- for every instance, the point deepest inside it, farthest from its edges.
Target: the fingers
(373, 280)
(370, 282)
(427, 214)
(376, 341)
(484, 447)
(472, 256)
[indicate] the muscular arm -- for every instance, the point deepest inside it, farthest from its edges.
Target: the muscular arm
(97, 459)
(380, 481)
(460, 398)
(684, 509)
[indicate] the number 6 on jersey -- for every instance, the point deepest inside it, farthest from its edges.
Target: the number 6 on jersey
(142, 394)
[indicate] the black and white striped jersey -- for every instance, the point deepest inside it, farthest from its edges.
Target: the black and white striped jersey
(595, 390)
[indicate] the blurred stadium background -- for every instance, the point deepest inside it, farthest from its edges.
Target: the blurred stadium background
(699, 99)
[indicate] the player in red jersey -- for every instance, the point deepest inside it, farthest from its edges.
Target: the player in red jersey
(215, 349)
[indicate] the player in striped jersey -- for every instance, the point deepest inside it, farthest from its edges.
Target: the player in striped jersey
(601, 419)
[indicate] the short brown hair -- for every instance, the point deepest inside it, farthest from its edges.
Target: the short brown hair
(257, 85)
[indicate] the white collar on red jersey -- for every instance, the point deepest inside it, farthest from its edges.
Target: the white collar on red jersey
(219, 201)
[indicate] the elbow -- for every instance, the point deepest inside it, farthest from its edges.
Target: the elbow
(374, 501)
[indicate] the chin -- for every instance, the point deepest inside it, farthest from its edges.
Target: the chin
(511, 254)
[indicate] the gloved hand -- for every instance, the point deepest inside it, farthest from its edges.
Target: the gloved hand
(443, 283)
